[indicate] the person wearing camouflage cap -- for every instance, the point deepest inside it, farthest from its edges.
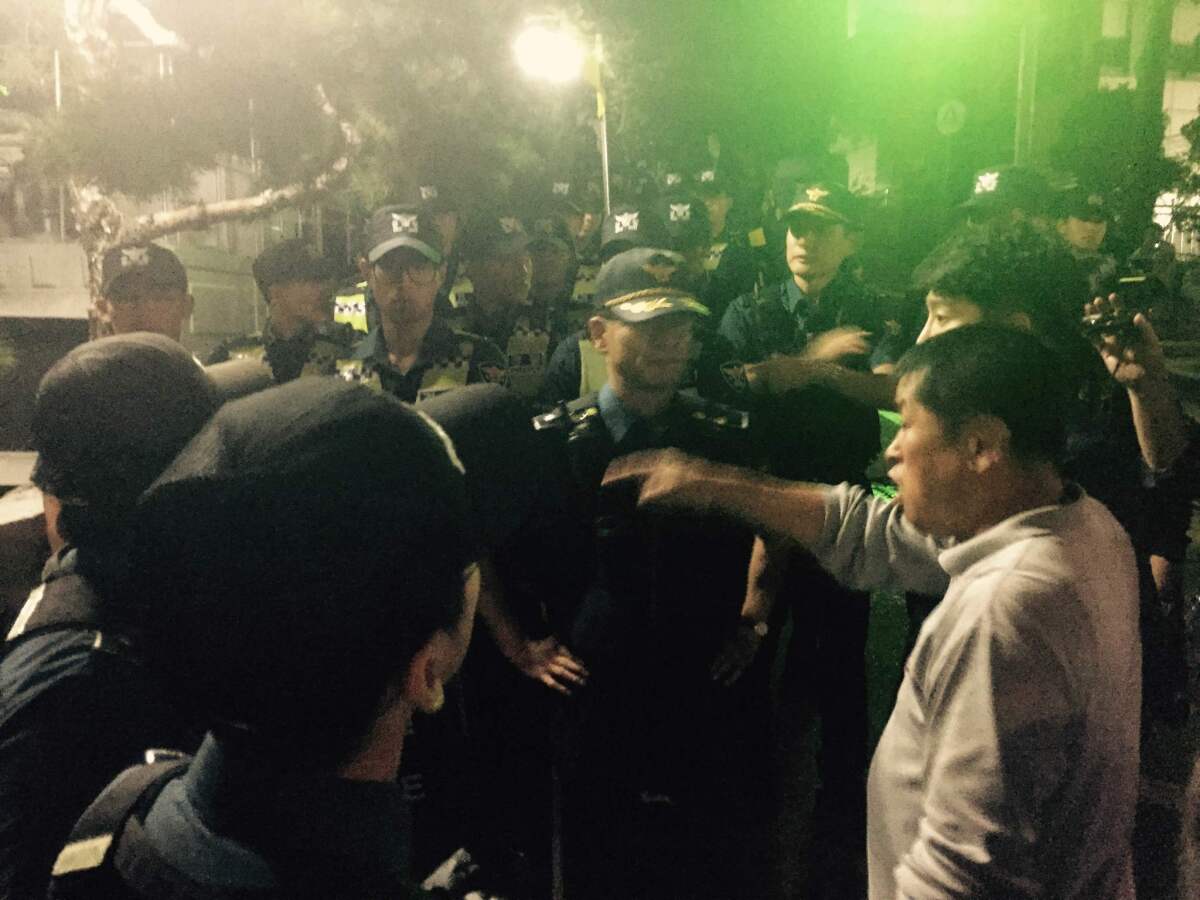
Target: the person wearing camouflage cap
(144, 288)
(411, 353)
(649, 788)
(300, 336)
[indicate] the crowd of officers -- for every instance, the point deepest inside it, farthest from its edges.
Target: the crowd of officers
(635, 711)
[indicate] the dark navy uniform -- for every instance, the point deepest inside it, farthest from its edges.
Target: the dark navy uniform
(662, 777)
(816, 434)
(448, 359)
(313, 352)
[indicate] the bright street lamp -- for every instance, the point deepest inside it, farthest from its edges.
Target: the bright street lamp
(550, 51)
(549, 54)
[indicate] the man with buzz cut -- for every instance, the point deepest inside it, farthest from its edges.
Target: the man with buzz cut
(1009, 766)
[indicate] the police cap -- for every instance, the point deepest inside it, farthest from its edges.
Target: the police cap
(146, 264)
(403, 225)
(288, 261)
(645, 283)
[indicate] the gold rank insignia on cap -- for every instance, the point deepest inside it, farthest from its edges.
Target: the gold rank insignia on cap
(816, 194)
(509, 225)
(562, 188)
(641, 307)
(429, 192)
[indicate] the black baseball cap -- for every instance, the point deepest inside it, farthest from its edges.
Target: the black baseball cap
(299, 550)
(645, 283)
(147, 264)
(493, 234)
(631, 226)
(686, 221)
(825, 200)
(292, 260)
(403, 225)
(111, 414)
(1087, 206)
(1001, 189)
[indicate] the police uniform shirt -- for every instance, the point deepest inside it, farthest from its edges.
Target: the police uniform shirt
(311, 352)
(815, 433)
(646, 563)
(447, 359)
(523, 332)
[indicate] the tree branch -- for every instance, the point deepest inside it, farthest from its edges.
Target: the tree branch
(102, 226)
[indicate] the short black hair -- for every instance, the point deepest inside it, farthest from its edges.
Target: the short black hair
(988, 370)
(1006, 267)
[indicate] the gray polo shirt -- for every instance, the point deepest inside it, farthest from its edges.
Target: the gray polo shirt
(1009, 767)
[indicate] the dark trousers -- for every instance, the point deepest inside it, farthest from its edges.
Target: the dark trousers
(825, 675)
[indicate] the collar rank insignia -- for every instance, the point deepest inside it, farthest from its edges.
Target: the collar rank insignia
(509, 225)
(708, 176)
(674, 178)
(135, 257)
(681, 212)
(660, 272)
(404, 224)
(987, 182)
(625, 222)
(429, 191)
(1095, 200)
(561, 188)
(816, 194)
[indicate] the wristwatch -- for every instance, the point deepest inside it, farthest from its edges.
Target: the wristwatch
(759, 628)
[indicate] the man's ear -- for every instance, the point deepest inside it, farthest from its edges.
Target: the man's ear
(189, 305)
(598, 332)
(423, 685)
(104, 309)
(364, 267)
(987, 442)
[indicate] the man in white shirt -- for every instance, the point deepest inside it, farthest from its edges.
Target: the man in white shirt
(1009, 765)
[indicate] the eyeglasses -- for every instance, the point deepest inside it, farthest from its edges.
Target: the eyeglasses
(421, 273)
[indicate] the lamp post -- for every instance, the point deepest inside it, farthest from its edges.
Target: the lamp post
(550, 51)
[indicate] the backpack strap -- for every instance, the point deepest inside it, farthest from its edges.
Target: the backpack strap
(86, 866)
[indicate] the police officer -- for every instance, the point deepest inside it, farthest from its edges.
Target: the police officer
(144, 288)
(820, 313)
(552, 281)
(664, 754)
(495, 250)
(411, 353)
(575, 368)
(730, 262)
(300, 336)
(1008, 192)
